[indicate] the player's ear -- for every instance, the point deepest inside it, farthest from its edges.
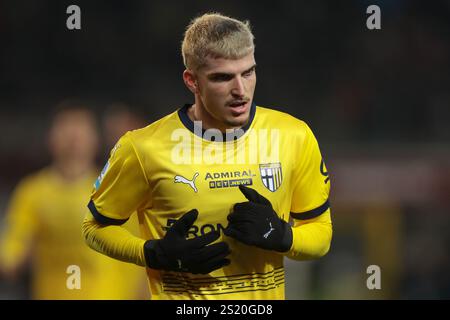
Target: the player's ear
(190, 80)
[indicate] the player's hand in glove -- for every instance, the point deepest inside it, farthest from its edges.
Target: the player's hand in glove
(256, 223)
(176, 253)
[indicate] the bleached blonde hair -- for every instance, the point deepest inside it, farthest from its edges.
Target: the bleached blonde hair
(217, 36)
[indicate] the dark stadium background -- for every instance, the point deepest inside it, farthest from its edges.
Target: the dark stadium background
(377, 100)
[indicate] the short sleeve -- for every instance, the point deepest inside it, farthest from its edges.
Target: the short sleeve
(122, 186)
(311, 181)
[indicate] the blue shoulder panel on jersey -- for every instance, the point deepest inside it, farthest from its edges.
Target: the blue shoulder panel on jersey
(311, 213)
(102, 219)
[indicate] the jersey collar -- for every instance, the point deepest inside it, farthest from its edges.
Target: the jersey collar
(189, 124)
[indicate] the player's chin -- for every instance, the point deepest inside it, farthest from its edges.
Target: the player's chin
(238, 121)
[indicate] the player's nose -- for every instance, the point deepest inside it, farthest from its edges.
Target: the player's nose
(238, 87)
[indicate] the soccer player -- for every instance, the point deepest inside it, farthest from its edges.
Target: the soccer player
(45, 215)
(215, 183)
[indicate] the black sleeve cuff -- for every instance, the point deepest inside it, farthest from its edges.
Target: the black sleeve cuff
(102, 219)
(311, 213)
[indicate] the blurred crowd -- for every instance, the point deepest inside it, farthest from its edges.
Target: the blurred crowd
(377, 100)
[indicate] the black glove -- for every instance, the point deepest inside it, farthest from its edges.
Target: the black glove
(256, 223)
(176, 253)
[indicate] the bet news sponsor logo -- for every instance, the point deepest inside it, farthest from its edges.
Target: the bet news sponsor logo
(229, 183)
(229, 179)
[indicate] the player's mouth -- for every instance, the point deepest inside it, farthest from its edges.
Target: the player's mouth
(238, 107)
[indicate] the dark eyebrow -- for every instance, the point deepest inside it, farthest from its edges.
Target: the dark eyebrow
(253, 67)
(224, 74)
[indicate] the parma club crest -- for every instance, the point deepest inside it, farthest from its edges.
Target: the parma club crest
(271, 175)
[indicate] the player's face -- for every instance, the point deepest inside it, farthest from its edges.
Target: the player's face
(226, 88)
(73, 136)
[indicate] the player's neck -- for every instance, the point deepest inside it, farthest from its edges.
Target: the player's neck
(72, 170)
(196, 113)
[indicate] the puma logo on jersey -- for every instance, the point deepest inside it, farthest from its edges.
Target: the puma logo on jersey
(266, 235)
(181, 179)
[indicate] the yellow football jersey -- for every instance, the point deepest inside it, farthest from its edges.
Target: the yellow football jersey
(44, 219)
(172, 166)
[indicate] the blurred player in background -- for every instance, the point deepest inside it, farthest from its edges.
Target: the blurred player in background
(44, 218)
(117, 119)
(215, 226)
